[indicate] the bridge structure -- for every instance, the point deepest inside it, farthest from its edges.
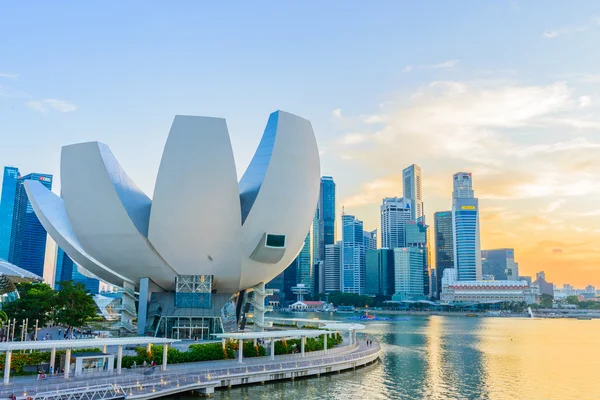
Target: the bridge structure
(203, 377)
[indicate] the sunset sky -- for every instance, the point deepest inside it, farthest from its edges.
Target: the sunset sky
(507, 90)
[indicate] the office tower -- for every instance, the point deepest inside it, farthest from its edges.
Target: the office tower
(444, 245)
(7, 205)
(500, 263)
(465, 222)
(545, 286)
(413, 191)
(463, 186)
(433, 282)
(66, 270)
(353, 255)
(319, 277)
(28, 236)
(370, 239)
(408, 273)
(416, 236)
(304, 266)
(380, 272)
(395, 213)
(314, 243)
(333, 267)
(324, 221)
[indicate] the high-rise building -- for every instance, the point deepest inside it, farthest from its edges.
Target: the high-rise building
(463, 186)
(395, 213)
(353, 255)
(380, 272)
(444, 245)
(7, 205)
(304, 266)
(416, 236)
(28, 236)
(66, 270)
(413, 192)
(408, 273)
(319, 277)
(333, 267)
(370, 240)
(500, 263)
(465, 223)
(326, 210)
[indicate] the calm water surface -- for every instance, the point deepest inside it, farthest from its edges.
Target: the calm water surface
(460, 358)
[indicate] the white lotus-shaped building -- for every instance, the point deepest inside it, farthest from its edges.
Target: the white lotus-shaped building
(200, 220)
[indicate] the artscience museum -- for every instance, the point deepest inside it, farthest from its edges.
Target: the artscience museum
(199, 252)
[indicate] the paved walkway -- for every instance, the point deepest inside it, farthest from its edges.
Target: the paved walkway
(177, 374)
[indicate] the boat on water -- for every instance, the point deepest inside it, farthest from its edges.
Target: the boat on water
(584, 317)
(345, 309)
(471, 315)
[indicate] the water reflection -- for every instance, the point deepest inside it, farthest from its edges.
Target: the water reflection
(441, 358)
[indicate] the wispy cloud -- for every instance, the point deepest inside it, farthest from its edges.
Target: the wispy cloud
(444, 64)
(52, 104)
(8, 76)
(570, 30)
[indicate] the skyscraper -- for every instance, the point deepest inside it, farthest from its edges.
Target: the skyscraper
(444, 245)
(370, 240)
(413, 192)
(380, 272)
(66, 270)
(324, 223)
(500, 263)
(465, 223)
(353, 255)
(417, 236)
(304, 266)
(28, 236)
(333, 267)
(395, 213)
(7, 205)
(408, 273)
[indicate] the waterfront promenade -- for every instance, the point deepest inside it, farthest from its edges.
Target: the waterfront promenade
(203, 377)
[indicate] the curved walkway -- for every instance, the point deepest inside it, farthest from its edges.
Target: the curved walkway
(203, 376)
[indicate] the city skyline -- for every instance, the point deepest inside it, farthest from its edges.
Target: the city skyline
(526, 128)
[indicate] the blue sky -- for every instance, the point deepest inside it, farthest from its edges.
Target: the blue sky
(385, 84)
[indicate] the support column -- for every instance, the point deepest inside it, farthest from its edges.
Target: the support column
(148, 347)
(224, 344)
(119, 358)
(254, 342)
(7, 366)
(165, 353)
(302, 342)
(240, 350)
(67, 363)
(325, 342)
(104, 349)
(53, 359)
(272, 349)
(143, 299)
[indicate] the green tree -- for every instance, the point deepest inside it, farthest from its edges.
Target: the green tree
(36, 301)
(74, 305)
(572, 300)
(546, 300)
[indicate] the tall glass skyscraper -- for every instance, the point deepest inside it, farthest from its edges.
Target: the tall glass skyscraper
(465, 224)
(380, 272)
(66, 270)
(304, 266)
(28, 236)
(353, 255)
(417, 236)
(413, 192)
(324, 224)
(7, 205)
(333, 267)
(395, 213)
(408, 273)
(444, 245)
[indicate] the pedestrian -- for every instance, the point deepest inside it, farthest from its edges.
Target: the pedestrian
(51, 370)
(144, 364)
(134, 364)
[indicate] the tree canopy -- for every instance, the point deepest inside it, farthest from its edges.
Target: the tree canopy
(71, 306)
(74, 306)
